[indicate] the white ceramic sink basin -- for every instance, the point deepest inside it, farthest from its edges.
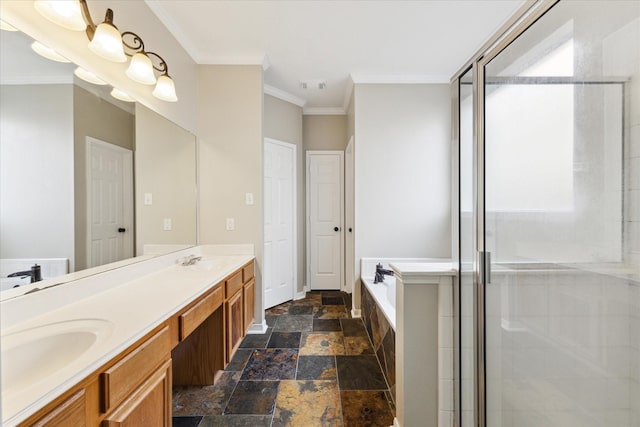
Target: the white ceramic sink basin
(207, 264)
(31, 355)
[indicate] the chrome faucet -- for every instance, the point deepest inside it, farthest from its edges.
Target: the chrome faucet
(190, 260)
(380, 273)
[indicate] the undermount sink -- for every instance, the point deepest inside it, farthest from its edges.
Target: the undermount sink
(31, 355)
(207, 264)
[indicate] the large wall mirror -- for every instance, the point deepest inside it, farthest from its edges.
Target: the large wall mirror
(86, 180)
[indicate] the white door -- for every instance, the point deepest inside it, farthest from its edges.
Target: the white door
(109, 203)
(349, 216)
(279, 262)
(325, 210)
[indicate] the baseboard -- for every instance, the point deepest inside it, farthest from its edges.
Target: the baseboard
(303, 294)
(356, 313)
(257, 328)
(396, 423)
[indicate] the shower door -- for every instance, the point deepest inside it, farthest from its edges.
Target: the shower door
(556, 155)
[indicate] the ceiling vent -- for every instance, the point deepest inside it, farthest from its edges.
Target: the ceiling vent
(313, 84)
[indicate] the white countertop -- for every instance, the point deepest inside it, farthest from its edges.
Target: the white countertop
(132, 308)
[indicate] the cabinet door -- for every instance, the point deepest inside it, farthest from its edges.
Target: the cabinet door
(149, 405)
(235, 327)
(249, 303)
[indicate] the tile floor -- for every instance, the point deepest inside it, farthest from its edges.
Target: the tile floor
(313, 367)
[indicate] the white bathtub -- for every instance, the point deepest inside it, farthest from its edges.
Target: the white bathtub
(384, 293)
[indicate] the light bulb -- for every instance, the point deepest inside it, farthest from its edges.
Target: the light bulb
(141, 69)
(65, 13)
(107, 43)
(121, 95)
(88, 76)
(47, 52)
(165, 89)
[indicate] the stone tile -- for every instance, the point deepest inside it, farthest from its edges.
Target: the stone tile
(332, 300)
(348, 301)
(331, 312)
(271, 364)
(271, 319)
(239, 359)
(279, 309)
(316, 368)
(365, 408)
(284, 340)
(322, 344)
(256, 340)
(332, 325)
(301, 309)
(207, 400)
(387, 357)
(186, 421)
(359, 373)
(308, 403)
(357, 345)
(236, 421)
(253, 397)
(353, 328)
(294, 323)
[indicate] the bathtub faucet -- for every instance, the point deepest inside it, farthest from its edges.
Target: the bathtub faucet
(34, 273)
(380, 272)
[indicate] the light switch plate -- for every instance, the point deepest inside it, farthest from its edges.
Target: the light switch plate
(231, 224)
(249, 198)
(148, 199)
(167, 225)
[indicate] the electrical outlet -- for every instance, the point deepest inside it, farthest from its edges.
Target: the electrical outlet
(167, 225)
(148, 199)
(249, 198)
(231, 224)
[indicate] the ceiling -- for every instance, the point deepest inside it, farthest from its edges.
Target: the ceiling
(336, 42)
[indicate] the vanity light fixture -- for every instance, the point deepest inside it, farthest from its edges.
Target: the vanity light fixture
(7, 27)
(106, 41)
(121, 95)
(88, 76)
(47, 52)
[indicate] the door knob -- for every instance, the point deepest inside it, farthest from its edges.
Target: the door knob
(350, 229)
(336, 229)
(121, 230)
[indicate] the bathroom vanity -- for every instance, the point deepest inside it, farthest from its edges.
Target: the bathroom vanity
(122, 347)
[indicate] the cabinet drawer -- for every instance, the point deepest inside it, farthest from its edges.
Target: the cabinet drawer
(247, 273)
(197, 314)
(71, 412)
(123, 377)
(234, 284)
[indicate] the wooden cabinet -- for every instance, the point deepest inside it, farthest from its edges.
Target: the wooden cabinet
(249, 299)
(71, 412)
(235, 327)
(149, 405)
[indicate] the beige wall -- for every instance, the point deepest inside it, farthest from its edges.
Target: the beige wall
(283, 122)
(324, 132)
(165, 163)
(36, 167)
(99, 119)
(230, 138)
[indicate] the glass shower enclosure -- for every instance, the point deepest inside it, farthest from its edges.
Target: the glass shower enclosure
(549, 221)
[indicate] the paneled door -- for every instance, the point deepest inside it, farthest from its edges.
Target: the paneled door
(109, 203)
(325, 213)
(280, 261)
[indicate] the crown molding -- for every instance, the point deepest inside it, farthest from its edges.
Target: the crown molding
(324, 111)
(285, 96)
(359, 78)
(168, 21)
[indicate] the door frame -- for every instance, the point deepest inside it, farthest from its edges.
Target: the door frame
(308, 217)
(294, 213)
(349, 216)
(127, 194)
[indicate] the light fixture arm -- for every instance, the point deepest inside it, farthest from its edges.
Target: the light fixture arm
(162, 66)
(136, 45)
(86, 15)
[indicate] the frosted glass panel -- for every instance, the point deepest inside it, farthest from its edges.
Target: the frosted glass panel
(562, 110)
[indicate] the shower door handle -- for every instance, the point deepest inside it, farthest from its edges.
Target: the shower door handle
(484, 262)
